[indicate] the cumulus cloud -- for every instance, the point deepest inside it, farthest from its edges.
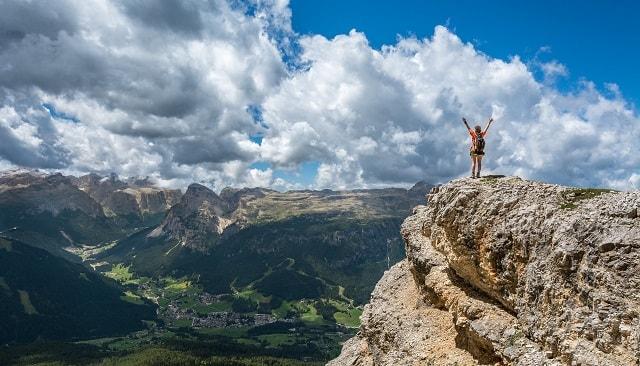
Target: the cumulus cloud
(154, 88)
(28, 143)
(178, 91)
(553, 69)
(392, 116)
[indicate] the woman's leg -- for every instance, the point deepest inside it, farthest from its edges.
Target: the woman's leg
(473, 166)
(478, 165)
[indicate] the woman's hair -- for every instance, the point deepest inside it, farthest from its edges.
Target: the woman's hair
(478, 129)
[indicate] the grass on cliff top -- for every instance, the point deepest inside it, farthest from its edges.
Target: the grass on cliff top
(573, 196)
(491, 179)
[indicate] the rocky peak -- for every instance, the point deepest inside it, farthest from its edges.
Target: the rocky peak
(198, 196)
(197, 220)
(419, 189)
(133, 197)
(512, 272)
(19, 177)
(34, 192)
(98, 187)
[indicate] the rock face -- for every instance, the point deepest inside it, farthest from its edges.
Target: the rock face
(26, 193)
(49, 212)
(140, 201)
(197, 220)
(98, 187)
(510, 272)
(238, 197)
(136, 197)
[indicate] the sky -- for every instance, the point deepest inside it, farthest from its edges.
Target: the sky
(320, 94)
(592, 39)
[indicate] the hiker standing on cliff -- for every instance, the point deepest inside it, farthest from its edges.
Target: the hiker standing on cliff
(477, 146)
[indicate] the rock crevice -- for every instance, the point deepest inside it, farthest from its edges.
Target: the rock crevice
(511, 272)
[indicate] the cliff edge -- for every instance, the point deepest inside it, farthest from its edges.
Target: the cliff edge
(504, 271)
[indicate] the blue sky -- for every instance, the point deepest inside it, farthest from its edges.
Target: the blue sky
(595, 40)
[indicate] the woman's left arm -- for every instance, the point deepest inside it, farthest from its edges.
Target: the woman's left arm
(488, 125)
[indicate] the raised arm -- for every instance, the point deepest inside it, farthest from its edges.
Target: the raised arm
(466, 124)
(488, 125)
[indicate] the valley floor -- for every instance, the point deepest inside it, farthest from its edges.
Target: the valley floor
(198, 328)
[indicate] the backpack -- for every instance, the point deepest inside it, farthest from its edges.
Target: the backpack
(478, 146)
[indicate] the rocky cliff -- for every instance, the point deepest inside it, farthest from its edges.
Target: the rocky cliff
(26, 193)
(49, 212)
(509, 272)
(197, 220)
(134, 197)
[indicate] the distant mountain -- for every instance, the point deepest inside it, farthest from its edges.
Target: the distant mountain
(197, 221)
(55, 212)
(133, 202)
(50, 212)
(263, 239)
(419, 190)
(46, 297)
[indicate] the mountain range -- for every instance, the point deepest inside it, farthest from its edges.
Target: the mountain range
(248, 256)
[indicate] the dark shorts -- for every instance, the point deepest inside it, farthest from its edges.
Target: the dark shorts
(476, 153)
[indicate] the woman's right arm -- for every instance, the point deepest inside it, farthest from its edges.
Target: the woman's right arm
(466, 124)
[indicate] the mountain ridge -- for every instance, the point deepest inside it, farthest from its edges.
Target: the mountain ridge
(274, 226)
(251, 256)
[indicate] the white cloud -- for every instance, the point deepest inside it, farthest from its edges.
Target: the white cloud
(298, 142)
(6, 165)
(23, 132)
(392, 116)
(157, 88)
(258, 178)
(345, 173)
(553, 69)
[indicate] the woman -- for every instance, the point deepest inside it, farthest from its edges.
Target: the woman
(477, 147)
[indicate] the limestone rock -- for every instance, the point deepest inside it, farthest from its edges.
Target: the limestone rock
(133, 197)
(399, 327)
(527, 273)
(197, 221)
(32, 193)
